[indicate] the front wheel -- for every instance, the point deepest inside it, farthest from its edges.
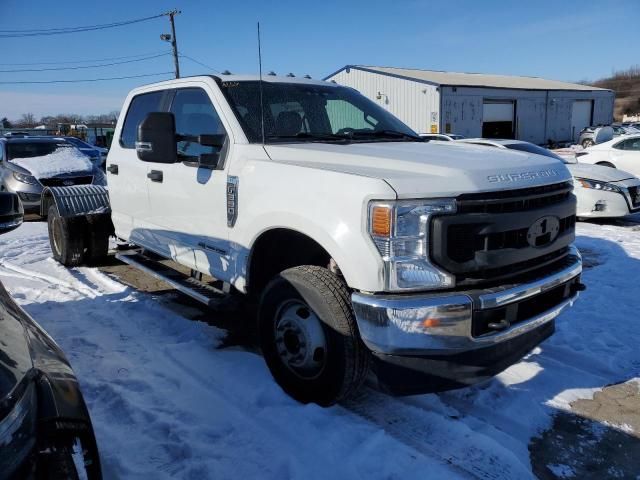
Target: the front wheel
(309, 336)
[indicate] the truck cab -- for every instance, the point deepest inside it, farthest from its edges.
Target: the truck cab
(369, 252)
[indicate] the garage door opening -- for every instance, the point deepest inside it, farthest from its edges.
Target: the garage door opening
(498, 119)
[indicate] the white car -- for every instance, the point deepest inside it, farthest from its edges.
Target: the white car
(601, 191)
(621, 152)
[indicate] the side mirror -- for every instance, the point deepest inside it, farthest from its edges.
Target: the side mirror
(11, 212)
(156, 141)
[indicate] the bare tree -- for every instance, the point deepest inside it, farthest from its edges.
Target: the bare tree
(27, 120)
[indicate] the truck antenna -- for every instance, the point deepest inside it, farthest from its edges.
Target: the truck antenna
(260, 83)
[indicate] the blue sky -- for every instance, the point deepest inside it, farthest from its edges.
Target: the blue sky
(564, 40)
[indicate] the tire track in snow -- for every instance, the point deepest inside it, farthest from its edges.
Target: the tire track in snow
(284, 435)
(99, 279)
(435, 435)
(34, 274)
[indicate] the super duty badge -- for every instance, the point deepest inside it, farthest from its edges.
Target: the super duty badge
(516, 177)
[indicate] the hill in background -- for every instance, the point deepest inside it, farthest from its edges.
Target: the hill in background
(626, 84)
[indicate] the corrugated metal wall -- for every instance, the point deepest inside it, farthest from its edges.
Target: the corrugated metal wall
(540, 115)
(416, 104)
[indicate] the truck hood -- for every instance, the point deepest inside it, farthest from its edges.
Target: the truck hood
(415, 169)
(598, 172)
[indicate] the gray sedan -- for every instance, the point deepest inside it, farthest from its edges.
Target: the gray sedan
(28, 164)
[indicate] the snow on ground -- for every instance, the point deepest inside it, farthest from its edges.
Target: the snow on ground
(167, 401)
(63, 160)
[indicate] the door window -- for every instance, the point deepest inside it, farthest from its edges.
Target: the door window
(632, 144)
(140, 107)
(195, 115)
(628, 144)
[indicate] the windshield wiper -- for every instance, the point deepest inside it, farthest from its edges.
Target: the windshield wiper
(385, 134)
(311, 136)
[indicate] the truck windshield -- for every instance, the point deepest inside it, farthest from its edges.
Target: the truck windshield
(297, 112)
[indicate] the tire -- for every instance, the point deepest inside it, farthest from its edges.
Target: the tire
(99, 231)
(587, 143)
(306, 312)
(606, 164)
(67, 238)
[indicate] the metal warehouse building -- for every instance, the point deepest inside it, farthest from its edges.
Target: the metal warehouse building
(478, 105)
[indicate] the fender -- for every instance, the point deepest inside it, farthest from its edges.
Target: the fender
(76, 201)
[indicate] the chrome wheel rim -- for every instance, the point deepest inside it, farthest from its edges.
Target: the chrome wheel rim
(300, 339)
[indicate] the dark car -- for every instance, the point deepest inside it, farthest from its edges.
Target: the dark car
(97, 154)
(45, 429)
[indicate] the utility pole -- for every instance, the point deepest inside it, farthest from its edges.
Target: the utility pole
(172, 38)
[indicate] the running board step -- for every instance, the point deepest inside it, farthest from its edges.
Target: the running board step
(200, 291)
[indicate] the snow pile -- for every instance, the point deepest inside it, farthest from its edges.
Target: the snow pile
(63, 160)
(168, 401)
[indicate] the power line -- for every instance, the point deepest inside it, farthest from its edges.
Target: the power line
(83, 61)
(58, 31)
(198, 62)
(82, 66)
(16, 82)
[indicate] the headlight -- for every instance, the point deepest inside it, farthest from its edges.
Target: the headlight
(24, 178)
(400, 231)
(604, 186)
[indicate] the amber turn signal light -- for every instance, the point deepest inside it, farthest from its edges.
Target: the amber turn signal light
(381, 221)
(430, 322)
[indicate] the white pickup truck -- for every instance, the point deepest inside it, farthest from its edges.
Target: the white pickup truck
(367, 250)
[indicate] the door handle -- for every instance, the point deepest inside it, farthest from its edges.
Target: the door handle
(155, 176)
(112, 169)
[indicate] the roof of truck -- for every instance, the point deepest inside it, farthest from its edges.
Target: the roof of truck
(243, 78)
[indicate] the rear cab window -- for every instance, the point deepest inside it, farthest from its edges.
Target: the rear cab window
(140, 106)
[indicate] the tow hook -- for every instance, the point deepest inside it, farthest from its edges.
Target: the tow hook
(501, 325)
(578, 287)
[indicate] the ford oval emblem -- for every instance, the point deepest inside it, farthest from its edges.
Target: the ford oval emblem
(543, 231)
(67, 183)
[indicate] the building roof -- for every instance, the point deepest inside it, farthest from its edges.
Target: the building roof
(472, 79)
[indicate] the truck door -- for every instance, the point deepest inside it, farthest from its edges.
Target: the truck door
(188, 203)
(127, 174)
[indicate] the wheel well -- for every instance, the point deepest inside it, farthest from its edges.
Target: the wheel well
(606, 164)
(279, 249)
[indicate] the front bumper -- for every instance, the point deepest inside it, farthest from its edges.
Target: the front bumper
(594, 203)
(448, 340)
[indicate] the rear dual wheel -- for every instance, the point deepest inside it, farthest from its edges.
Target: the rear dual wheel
(66, 237)
(309, 336)
(76, 240)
